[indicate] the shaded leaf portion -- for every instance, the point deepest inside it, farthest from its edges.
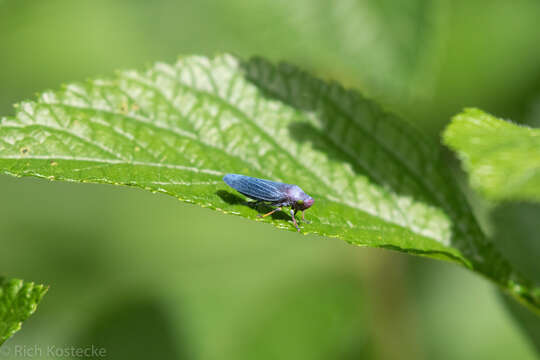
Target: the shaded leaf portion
(177, 129)
(18, 300)
(502, 158)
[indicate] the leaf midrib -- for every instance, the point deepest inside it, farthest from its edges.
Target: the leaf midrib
(114, 162)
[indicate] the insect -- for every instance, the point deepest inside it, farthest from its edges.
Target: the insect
(271, 192)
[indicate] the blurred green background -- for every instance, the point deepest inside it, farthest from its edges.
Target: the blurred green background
(144, 275)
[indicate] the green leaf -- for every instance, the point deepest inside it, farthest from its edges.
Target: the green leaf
(502, 158)
(18, 300)
(177, 129)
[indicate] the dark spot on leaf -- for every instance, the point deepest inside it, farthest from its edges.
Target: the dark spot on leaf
(124, 108)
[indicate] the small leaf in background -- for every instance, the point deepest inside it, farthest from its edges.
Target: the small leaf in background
(502, 158)
(18, 300)
(177, 129)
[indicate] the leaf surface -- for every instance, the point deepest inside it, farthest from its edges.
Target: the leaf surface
(502, 158)
(177, 129)
(18, 300)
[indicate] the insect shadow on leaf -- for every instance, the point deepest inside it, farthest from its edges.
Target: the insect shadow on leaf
(260, 207)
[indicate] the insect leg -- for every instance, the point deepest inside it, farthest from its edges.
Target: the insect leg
(271, 212)
(304, 219)
(294, 220)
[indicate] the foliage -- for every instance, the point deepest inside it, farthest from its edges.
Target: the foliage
(177, 129)
(502, 158)
(18, 300)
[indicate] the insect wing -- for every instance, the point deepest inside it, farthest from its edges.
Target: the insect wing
(257, 189)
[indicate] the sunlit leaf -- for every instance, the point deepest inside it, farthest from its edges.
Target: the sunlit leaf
(18, 300)
(177, 129)
(502, 158)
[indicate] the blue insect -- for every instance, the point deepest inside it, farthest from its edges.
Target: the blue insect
(271, 192)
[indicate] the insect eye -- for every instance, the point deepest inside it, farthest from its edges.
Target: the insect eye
(300, 202)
